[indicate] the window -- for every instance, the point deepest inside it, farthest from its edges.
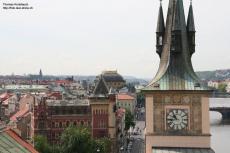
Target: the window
(82, 123)
(53, 135)
(60, 124)
(56, 125)
(41, 125)
(75, 123)
(160, 40)
(67, 123)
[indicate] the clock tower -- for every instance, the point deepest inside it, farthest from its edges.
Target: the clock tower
(177, 102)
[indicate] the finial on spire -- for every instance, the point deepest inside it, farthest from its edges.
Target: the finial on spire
(160, 1)
(190, 2)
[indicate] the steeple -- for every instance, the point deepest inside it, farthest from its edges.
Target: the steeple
(101, 87)
(160, 22)
(190, 20)
(177, 17)
(175, 71)
(40, 74)
(160, 30)
(191, 30)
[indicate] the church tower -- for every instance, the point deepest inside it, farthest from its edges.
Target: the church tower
(177, 102)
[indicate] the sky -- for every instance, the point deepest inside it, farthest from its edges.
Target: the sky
(86, 37)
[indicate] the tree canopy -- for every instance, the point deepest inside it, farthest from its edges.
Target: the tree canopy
(129, 120)
(222, 87)
(74, 140)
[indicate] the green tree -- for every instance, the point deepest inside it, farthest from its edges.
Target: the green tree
(76, 140)
(129, 120)
(104, 145)
(41, 144)
(140, 99)
(222, 87)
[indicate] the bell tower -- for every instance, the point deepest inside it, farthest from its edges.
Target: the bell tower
(177, 102)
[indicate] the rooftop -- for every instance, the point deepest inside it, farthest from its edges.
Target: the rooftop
(111, 76)
(181, 150)
(76, 102)
(124, 97)
(20, 113)
(25, 87)
(10, 142)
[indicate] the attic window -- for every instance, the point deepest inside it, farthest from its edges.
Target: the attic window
(197, 85)
(156, 85)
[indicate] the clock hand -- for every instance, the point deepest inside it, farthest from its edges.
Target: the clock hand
(174, 116)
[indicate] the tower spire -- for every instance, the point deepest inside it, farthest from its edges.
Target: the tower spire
(191, 29)
(160, 22)
(190, 21)
(160, 30)
(175, 71)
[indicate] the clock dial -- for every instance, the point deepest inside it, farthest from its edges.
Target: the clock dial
(177, 119)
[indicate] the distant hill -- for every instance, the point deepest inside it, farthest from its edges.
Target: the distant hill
(214, 75)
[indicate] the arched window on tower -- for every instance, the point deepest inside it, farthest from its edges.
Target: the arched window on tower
(160, 40)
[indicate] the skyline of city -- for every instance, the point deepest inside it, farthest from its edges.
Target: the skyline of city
(88, 37)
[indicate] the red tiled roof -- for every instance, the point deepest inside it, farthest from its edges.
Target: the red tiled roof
(17, 138)
(62, 82)
(124, 97)
(20, 113)
(5, 102)
(57, 95)
(5, 96)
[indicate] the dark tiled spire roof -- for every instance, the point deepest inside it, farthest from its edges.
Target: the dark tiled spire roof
(177, 16)
(101, 87)
(190, 20)
(175, 71)
(160, 22)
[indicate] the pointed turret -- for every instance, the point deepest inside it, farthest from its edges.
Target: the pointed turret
(160, 31)
(176, 28)
(191, 30)
(101, 87)
(177, 16)
(40, 74)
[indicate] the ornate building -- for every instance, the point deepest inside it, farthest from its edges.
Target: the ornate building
(177, 103)
(112, 79)
(103, 110)
(51, 117)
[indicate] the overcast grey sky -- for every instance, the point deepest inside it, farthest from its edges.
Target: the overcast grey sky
(89, 36)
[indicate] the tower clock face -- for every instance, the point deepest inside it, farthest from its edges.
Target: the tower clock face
(177, 119)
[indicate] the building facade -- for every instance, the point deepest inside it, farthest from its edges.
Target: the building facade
(126, 102)
(51, 117)
(103, 109)
(112, 79)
